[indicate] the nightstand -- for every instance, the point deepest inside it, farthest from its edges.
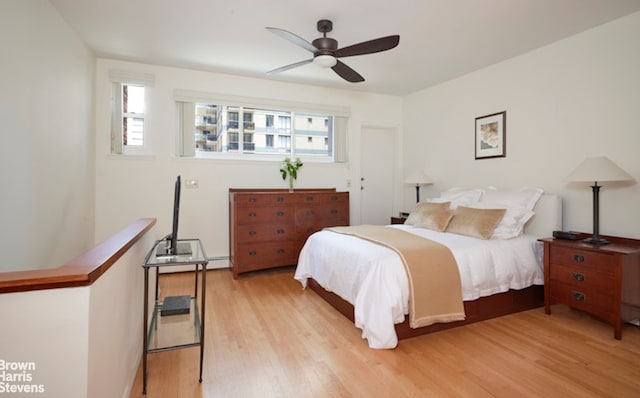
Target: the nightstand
(599, 280)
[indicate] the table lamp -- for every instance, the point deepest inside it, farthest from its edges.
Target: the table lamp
(597, 169)
(418, 178)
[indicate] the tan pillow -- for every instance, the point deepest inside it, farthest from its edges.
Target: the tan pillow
(434, 216)
(478, 223)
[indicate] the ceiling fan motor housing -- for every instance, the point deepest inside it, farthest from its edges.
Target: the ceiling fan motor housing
(325, 45)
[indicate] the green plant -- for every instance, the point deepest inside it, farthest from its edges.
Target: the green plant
(290, 169)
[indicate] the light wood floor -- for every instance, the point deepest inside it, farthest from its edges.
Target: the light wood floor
(266, 337)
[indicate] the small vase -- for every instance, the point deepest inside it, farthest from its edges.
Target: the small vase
(291, 180)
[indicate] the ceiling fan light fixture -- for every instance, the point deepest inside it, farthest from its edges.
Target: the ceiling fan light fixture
(326, 61)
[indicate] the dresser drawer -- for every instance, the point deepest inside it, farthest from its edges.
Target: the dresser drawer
(315, 198)
(583, 259)
(265, 232)
(589, 300)
(261, 215)
(261, 255)
(583, 278)
(262, 199)
(322, 216)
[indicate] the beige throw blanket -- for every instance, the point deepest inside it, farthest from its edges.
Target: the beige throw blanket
(434, 279)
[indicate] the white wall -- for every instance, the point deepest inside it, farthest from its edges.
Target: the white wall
(115, 323)
(48, 328)
(575, 98)
(47, 149)
(129, 187)
(83, 341)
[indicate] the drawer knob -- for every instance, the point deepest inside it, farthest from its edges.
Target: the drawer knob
(280, 251)
(309, 198)
(309, 229)
(280, 213)
(280, 231)
(309, 212)
(578, 258)
(334, 211)
(252, 214)
(280, 199)
(252, 200)
(579, 277)
(334, 198)
(252, 233)
(578, 296)
(252, 252)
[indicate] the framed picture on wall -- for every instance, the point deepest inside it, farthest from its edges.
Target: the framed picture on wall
(491, 136)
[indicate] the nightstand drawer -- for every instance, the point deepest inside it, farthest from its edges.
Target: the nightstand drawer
(584, 259)
(587, 299)
(583, 278)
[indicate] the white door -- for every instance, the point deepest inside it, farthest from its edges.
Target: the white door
(376, 178)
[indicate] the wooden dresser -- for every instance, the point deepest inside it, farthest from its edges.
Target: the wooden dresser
(268, 227)
(601, 280)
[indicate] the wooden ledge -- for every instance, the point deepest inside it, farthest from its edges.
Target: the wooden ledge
(82, 270)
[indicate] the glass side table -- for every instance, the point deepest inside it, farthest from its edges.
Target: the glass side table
(177, 330)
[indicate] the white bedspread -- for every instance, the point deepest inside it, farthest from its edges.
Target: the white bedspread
(372, 277)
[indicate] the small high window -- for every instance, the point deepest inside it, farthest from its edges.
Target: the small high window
(129, 94)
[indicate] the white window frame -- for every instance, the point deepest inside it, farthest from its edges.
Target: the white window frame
(119, 78)
(185, 145)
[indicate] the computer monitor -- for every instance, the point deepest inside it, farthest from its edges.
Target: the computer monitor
(171, 246)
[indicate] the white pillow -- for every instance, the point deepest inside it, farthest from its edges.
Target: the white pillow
(519, 203)
(512, 223)
(458, 197)
(525, 197)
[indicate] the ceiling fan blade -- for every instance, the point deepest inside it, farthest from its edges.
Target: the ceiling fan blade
(368, 47)
(290, 66)
(347, 73)
(293, 38)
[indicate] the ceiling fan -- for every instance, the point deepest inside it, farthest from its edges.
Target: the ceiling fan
(326, 52)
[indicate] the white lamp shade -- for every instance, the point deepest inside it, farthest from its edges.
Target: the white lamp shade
(597, 169)
(418, 178)
(326, 61)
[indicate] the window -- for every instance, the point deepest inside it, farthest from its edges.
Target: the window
(132, 115)
(284, 141)
(210, 128)
(284, 122)
(218, 129)
(129, 92)
(127, 131)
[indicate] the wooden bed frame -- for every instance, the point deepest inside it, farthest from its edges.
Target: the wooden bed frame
(477, 310)
(548, 218)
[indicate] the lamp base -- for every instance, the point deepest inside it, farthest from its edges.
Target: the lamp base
(596, 241)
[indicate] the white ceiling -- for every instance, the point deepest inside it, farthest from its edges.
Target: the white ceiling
(439, 39)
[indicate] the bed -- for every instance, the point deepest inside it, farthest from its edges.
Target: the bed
(367, 282)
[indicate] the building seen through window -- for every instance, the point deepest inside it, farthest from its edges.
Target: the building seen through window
(237, 129)
(132, 115)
